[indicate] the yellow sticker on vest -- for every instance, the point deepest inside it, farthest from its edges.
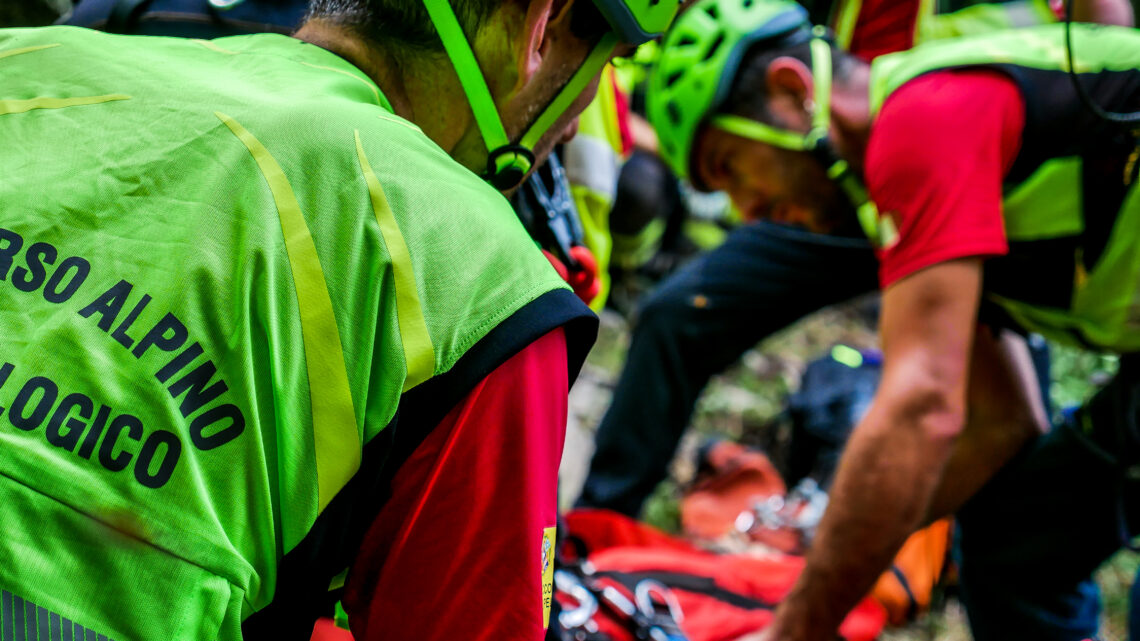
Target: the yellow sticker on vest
(548, 537)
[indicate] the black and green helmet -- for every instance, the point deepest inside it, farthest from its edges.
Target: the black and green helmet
(699, 60)
(694, 75)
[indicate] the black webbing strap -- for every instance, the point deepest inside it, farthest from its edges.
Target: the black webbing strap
(689, 583)
(912, 609)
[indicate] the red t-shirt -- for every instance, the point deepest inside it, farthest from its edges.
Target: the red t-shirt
(936, 159)
(457, 552)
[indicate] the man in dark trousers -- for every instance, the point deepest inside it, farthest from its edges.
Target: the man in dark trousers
(957, 159)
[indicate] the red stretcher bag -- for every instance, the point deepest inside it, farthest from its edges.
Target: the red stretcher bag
(716, 597)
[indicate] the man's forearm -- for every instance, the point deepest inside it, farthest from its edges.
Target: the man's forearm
(896, 456)
(903, 467)
(881, 492)
(1005, 412)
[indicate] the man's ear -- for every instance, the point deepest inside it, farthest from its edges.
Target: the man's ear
(790, 90)
(533, 44)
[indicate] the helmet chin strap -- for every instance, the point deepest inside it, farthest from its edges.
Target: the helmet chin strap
(507, 163)
(818, 143)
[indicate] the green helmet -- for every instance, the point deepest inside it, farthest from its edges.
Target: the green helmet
(694, 75)
(631, 21)
(699, 60)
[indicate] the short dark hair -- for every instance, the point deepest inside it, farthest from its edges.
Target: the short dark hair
(405, 25)
(748, 96)
(401, 23)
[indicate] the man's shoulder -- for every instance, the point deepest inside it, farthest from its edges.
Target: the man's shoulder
(944, 108)
(935, 162)
(419, 177)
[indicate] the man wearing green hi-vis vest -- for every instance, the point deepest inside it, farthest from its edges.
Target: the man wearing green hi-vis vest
(268, 337)
(981, 170)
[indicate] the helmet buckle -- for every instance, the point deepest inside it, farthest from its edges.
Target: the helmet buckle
(507, 166)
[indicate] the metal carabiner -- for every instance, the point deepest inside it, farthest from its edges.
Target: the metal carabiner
(619, 601)
(644, 593)
(570, 584)
(551, 191)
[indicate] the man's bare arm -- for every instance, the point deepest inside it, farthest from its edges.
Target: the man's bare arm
(894, 460)
(1004, 412)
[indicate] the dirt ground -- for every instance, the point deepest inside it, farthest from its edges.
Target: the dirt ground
(742, 403)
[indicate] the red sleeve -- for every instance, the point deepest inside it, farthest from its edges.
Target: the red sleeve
(457, 552)
(938, 153)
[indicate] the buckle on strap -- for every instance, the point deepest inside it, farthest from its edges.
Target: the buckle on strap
(507, 166)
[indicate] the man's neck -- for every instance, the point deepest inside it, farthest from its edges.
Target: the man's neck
(851, 114)
(428, 95)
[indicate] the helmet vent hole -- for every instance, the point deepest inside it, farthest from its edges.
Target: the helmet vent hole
(714, 47)
(748, 4)
(713, 12)
(686, 41)
(672, 78)
(674, 113)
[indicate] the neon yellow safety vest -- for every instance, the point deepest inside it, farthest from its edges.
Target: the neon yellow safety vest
(592, 160)
(930, 25)
(224, 266)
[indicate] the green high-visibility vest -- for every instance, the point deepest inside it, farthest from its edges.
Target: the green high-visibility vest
(935, 22)
(1071, 207)
(224, 266)
(982, 18)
